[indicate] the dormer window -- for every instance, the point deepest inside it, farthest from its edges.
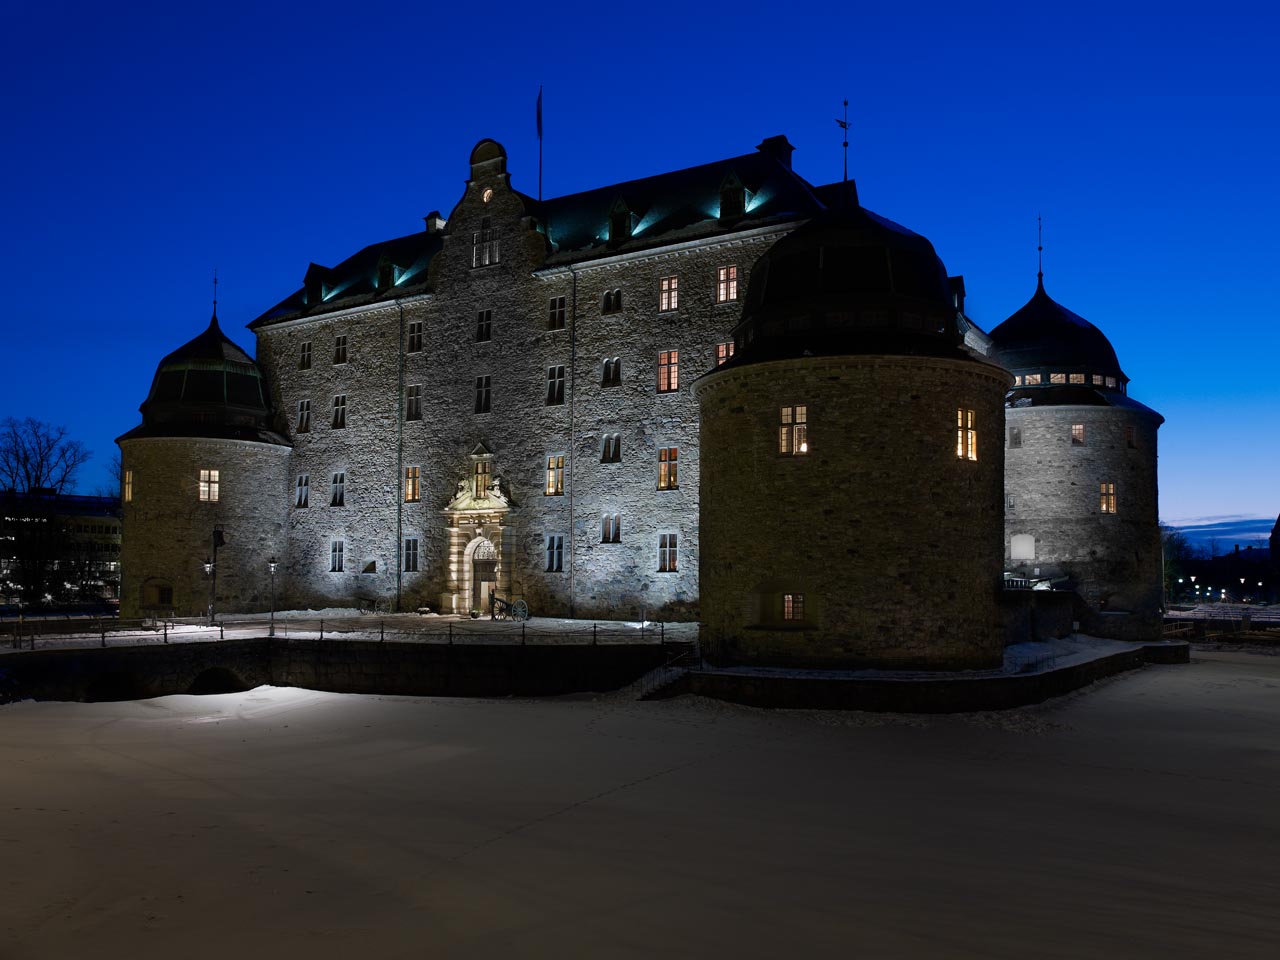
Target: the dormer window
(387, 274)
(484, 244)
(620, 224)
(733, 198)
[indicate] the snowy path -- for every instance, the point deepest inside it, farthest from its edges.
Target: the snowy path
(1135, 819)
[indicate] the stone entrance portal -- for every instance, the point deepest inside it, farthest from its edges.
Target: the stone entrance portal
(479, 540)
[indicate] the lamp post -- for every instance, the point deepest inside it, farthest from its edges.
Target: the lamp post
(208, 572)
(271, 565)
(211, 568)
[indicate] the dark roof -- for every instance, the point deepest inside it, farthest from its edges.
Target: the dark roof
(355, 280)
(1075, 395)
(849, 281)
(208, 387)
(1044, 336)
(666, 208)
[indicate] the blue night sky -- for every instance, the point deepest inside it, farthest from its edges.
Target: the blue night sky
(148, 143)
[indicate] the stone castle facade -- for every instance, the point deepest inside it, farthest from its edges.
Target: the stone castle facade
(503, 401)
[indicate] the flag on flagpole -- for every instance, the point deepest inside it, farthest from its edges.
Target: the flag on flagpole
(539, 111)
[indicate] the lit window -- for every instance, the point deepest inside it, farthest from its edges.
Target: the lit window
(1077, 434)
(667, 553)
(480, 479)
(668, 371)
(487, 195)
(1017, 381)
(338, 490)
(1032, 380)
(484, 245)
(966, 435)
(611, 528)
(1057, 378)
(668, 294)
(555, 386)
(340, 349)
(209, 485)
(340, 411)
(304, 416)
(128, 486)
(1015, 436)
(302, 491)
(1107, 497)
(304, 356)
(411, 555)
(793, 606)
(413, 402)
(482, 394)
(612, 301)
(414, 344)
(612, 376)
(1129, 436)
(555, 475)
(611, 452)
(793, 431)
(555, 313)
(335, 556)
(1075, 378)
(1111, 382)
(412, 484)
(1098, 379)
(723, 352)
(668, 478)
(484, 326)
(555, 554)
(726, 284)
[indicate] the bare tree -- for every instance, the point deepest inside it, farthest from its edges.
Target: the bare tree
(36, 456)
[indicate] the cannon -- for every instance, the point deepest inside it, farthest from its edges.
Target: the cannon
(500, 609)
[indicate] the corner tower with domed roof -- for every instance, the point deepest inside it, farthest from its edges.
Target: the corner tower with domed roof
(206, 458)
(1081, 507)
(852, 465)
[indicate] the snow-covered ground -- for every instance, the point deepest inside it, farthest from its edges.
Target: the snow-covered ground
(1135, 819)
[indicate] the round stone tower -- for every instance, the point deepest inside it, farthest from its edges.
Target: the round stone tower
(205, 467)
(852, 465)
(1081, 507)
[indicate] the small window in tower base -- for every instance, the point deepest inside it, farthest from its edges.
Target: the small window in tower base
(793, 607)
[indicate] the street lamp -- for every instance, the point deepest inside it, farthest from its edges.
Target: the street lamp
(208, 572)
(271, 565)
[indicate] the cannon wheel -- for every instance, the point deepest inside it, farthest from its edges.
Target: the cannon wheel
(519, 610)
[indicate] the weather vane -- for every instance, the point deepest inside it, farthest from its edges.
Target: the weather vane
(844, 125)
(215, 290)
(1039, 248)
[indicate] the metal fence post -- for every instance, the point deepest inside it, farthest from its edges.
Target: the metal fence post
(222, 634)
(593, 635)
(322, 628)
(102, 632)
(522, 634)
(382, 631)
(166, 630)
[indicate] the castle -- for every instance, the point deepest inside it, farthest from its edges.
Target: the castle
(720, 393)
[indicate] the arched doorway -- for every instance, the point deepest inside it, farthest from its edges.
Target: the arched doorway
(484, 572)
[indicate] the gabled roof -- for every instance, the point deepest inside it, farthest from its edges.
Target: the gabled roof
(667, 208)
(355, 279)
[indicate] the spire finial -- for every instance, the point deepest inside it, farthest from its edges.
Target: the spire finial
(215, 293)
(844, 125)
(1039, 250)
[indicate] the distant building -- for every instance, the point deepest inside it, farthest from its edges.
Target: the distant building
(58, 548)
(504, 401)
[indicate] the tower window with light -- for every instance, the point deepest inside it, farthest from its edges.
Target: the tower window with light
(209, 486)
(1107, 497)
(966, 435)
(793, 431)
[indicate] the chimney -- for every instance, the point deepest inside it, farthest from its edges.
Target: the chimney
(435, 223)
(778, 148)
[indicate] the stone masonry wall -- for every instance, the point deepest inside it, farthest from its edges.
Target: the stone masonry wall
(167, 530)
(892, 540)
(1052, 489)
